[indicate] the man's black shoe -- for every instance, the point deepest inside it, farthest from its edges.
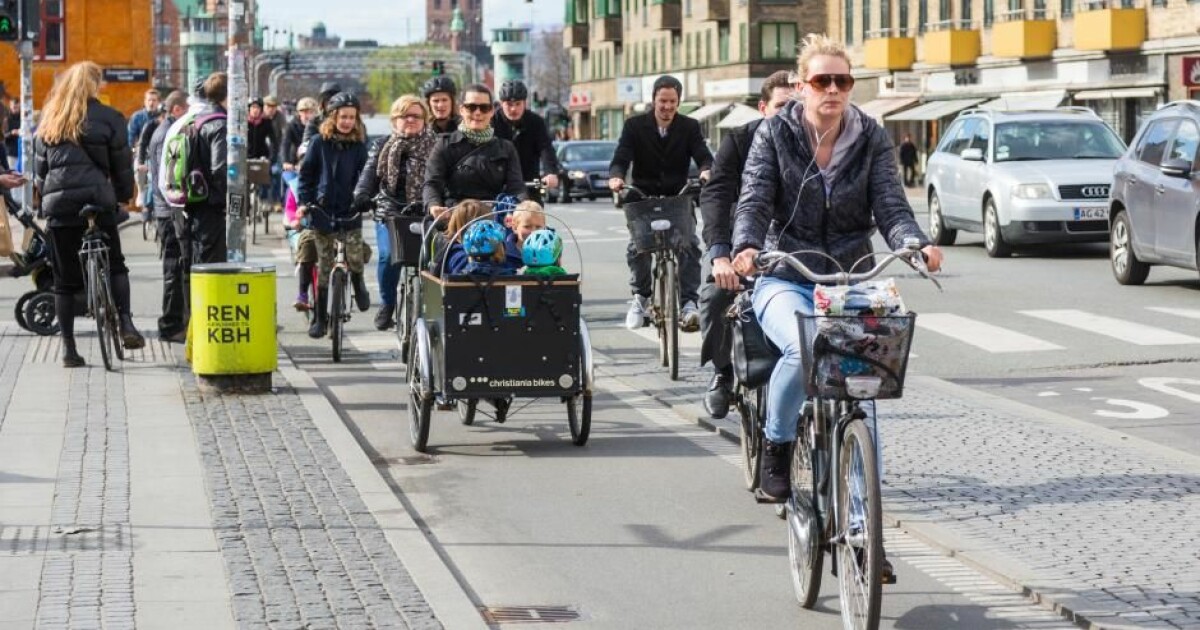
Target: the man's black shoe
(774, 485)
(175, 337)
(719, 395)
(384, 318)
(362, 297)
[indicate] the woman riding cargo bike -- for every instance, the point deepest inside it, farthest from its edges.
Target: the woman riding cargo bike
(841, 184)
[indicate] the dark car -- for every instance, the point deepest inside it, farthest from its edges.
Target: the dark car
(585, 169)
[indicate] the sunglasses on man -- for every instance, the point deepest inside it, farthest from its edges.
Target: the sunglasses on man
(822, 81)
(478, 107)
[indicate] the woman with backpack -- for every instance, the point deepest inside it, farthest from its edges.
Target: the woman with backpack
(82, 158)
(328, 175)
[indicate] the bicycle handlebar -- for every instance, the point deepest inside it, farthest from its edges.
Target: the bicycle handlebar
(910, 253)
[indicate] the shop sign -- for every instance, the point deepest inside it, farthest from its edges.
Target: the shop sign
(126, 75)
(966, 77)
(1191, 71)
(1129, 65)
(629, 90)
(581, 99)
(907, 82)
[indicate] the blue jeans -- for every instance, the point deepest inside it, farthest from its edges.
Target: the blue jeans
(386, 273)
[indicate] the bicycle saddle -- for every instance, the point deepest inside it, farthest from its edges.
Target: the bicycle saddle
(91, 211)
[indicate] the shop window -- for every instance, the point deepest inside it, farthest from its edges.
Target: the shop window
(52, 44)
(778, 40)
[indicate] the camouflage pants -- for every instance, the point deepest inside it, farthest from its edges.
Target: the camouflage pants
(320, 247)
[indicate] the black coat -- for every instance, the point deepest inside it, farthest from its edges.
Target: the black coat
(292, 136)
(328, 174)
(533, 143)
(212, 155)
(459, 170)
(261, 141)
(865, 194)
(660, 165)
(908, 153)
(448, 126)
(719, 197)
(97, 171)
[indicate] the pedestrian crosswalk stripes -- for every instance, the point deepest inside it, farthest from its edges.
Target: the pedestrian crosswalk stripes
(1190, 313)
(982, 335)
(1123, 330)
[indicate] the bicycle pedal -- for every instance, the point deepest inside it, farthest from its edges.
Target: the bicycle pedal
(762, 497)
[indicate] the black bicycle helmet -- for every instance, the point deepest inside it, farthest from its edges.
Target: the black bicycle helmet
(513, 91)
(340, 100)
(255, 101)
(329, 88)
(439, 84)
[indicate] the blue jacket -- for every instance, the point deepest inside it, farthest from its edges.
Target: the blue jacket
(328, 175)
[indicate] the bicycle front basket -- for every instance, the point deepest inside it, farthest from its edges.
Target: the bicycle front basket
(258, 172)
(640, 214)
(835, 347)
(405, 242)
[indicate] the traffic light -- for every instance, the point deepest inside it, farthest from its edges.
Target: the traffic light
(439, 68)
(9, 30)
(31, 19)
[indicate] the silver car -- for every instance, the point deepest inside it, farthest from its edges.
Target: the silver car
(1022, 177)
(1156, 196)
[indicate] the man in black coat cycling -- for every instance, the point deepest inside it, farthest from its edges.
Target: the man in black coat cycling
(516, 123)
(660, 144)
(717, 202)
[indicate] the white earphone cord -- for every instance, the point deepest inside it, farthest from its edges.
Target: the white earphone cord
(804, 179)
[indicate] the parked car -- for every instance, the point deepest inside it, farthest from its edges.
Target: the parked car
(1022, 177)
(1155, 207)
(585, 169)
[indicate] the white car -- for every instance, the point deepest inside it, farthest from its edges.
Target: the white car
(1022, 177)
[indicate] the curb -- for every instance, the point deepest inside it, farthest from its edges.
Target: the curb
(437, 584)
(938, 537)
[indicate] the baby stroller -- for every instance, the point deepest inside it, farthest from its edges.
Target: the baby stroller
(34, 310)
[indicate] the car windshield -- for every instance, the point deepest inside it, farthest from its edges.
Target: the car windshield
(600, 152)
(1056, 140)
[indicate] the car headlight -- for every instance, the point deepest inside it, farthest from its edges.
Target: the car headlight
(577, 175)
(1031, 191)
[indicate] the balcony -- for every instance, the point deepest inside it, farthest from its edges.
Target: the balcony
(951, 42)
(890, 49)
(575, 36)
(608, 29)
(665, 16)
(1109, 26)
(1024, 34)
(709, 10)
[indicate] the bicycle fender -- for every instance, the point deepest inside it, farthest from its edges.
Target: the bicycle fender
(421, 338)
(586, 361)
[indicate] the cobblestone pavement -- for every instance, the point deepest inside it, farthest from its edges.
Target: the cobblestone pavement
(1098, 525)
(300, 548)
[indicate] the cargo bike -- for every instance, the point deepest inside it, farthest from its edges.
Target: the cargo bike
(497, 339)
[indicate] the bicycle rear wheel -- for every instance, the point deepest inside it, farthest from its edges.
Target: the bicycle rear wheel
(337, 310)
(659, 307)
(672, 323)
(114, 322)
(98, 305)
(859, 540)
(805, 549)
(752, 407)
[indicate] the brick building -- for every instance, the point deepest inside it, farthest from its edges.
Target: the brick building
(720, 50)
(439, 15)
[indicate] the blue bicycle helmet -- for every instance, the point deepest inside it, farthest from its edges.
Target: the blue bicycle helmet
(483, 238)
(542, 248)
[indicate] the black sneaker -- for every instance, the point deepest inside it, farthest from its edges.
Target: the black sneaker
(362, 297)
(775, 483)
(384, 318)
(719, 396)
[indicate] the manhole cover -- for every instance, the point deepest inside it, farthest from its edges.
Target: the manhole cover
(529, 614)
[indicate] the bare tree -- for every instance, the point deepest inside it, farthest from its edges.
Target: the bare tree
(550, 67)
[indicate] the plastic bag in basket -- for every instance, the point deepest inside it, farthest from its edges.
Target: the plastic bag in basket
(876, 297)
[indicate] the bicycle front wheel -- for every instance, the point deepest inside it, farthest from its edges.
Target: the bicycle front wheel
(97, 289)
(659, 307)
(859, 541)
(672, 323)
(337, 311)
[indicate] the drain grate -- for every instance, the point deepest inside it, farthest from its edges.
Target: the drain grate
(530, 614)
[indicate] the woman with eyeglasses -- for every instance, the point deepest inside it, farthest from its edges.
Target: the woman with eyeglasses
(821, 175)
(395, 167)
(472, 163)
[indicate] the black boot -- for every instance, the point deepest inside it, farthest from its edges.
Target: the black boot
(720, 393)
(130, 337)
(320, 315)
(385, 318)
(774, 485)
(64, 310)
(361, 296)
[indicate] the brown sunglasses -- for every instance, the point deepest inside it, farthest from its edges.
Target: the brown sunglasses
(477, 107)
(823, 81)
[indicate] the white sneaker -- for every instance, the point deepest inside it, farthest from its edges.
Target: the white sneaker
(689, 317)
(636, 317)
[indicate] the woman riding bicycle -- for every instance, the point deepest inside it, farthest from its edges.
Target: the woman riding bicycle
(472, 163)
(328, 174)
(395, 167)
(82, 158)
(828, 199)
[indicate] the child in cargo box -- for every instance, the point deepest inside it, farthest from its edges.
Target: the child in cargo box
(527, 218)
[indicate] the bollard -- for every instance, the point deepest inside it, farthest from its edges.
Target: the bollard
(232, 326)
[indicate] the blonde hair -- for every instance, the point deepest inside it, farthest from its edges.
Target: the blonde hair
(65, 111)
(401, 105)
(526, 210)
(816, 44)
(329, 126)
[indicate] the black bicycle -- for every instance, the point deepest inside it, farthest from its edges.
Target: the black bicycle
(93, 257)
(405, 226)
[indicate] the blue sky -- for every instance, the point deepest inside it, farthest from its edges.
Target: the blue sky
(394, 21)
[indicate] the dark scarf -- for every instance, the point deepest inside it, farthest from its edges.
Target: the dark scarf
(409, 153)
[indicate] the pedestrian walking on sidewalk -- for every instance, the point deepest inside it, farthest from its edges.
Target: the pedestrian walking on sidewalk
(172, 325)
(908, 160)
(82, 158)
(395, 167)
(202, 238)
(717, 202)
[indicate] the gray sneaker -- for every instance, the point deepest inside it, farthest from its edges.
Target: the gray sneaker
(638, 313)
(689, 317)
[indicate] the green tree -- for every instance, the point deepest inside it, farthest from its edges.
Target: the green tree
(400, 70)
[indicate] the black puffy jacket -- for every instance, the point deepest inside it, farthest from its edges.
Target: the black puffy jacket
(293, 135)
(212, 155)
(775, 212)
(719, 196)
(460, 170)
(532, 139)
(98, 170)
(328, 174)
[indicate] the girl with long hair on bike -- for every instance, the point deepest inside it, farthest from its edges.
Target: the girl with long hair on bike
(82, 158)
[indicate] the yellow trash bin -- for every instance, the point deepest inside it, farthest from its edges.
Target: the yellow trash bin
(233, 319)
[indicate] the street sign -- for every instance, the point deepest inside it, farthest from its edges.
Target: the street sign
(629, 90)
(126, 75)
(1191, 71)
